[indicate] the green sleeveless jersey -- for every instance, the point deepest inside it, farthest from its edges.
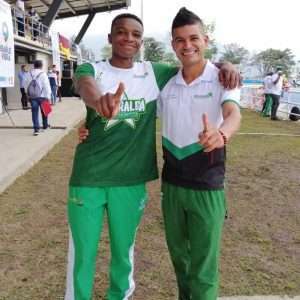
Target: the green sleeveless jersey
(121, 151)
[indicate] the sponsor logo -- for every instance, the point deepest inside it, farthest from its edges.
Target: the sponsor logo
(5, 31)
(76, 201)
(99, 76)
(143, 203)
(208, 95)
(141, 75)
(5, 50)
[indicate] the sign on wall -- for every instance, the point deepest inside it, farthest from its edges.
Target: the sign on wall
(7, 53)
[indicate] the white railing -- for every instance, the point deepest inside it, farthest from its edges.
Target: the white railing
(29, 27)
(253, 97)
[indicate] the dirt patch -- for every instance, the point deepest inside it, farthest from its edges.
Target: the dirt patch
(260, 253)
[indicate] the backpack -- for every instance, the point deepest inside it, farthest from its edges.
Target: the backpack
(34, 90)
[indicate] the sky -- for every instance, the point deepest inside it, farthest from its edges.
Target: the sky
(256, 25)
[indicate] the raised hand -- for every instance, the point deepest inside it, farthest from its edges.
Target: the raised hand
(109, 104)
(210, 138)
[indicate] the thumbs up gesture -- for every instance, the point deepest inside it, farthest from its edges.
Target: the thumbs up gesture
(109, 103)
(210, 138)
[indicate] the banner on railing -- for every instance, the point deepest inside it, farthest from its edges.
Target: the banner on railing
(7, 51)
(252, 97)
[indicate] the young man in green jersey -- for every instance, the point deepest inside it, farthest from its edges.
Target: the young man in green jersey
(111, 167)
(116, 160)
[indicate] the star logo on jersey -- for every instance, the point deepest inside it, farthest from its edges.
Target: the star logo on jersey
(130, 112)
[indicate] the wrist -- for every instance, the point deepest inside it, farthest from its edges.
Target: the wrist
(224, 137)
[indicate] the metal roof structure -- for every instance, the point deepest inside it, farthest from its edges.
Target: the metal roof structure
(49, 10)
(72, 8)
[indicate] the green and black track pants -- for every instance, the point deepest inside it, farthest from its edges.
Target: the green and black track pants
(193, 226)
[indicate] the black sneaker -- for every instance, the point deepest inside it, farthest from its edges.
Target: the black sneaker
(36, 133)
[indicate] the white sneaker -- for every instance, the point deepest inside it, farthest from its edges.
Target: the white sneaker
(36, 133)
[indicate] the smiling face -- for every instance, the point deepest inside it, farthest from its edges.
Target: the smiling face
(189, 43)
(126, 38)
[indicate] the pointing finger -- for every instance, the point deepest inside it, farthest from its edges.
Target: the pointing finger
(205, 122)
(119, 92)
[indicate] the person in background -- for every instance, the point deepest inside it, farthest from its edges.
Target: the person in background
(20, 16)
(58, 85)
(23, 73)
(33, 22)
(53, 83)
(277, 84)
(38, 90)
(267, 106)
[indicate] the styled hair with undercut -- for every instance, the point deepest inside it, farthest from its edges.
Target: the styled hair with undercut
(125, 16)
(186, 17)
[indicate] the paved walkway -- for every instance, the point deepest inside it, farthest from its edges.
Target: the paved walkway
(19, 149)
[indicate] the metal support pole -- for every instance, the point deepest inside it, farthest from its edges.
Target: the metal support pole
(84, 27)
(52, 12)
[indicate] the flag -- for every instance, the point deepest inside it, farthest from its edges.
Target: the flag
(64, 46)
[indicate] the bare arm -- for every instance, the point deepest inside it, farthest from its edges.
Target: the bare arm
(232, 119)
(88, 90)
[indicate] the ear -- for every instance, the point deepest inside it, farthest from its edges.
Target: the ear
(109, 38)
(173, 44)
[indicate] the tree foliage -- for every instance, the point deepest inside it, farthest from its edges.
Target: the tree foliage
(106, 52)
(170, 59)
(153, 50)
(269, 59)
(212, 49)
(234, 54)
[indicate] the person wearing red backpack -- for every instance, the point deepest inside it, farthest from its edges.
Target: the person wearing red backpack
(39, 92)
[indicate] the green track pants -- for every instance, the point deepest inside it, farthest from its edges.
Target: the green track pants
(267, 107)
(86, 207)
(193, 225)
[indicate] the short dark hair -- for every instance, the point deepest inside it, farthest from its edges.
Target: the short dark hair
(186, 17)
(125, 16)
(38, 64)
